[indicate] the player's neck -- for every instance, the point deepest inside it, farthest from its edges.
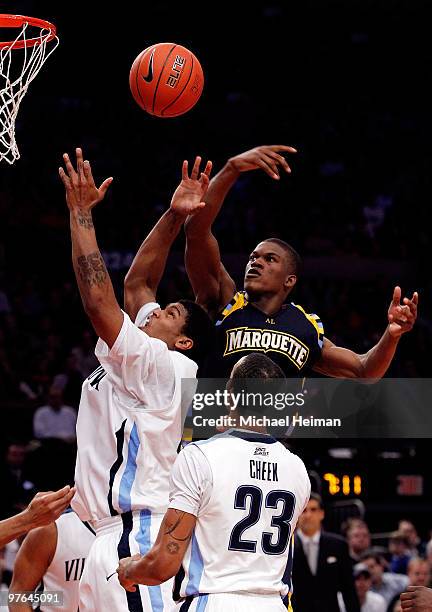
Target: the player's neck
(268, 304)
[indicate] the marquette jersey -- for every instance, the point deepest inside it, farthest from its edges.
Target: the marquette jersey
(246, 514)
(74, 539)
(291, 337)
(129, 425)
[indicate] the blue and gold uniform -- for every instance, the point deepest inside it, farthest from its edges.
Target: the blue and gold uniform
(291, 337)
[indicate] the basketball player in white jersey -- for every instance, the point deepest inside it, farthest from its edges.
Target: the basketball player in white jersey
(234, 504)
(54, 556)
(130, 416)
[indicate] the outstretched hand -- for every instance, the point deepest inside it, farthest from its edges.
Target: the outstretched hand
(46, 507)
(266, 157)
(188, 197)
(401, 318)
(81, 191)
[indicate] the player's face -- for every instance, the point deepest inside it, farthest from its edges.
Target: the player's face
(267, 270)
(167, 324)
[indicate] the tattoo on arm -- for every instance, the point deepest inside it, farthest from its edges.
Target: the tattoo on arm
(85, 220)
(92, 269)
(172, 548)
(170, 528)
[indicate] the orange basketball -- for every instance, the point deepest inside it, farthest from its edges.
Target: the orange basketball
(166, 80)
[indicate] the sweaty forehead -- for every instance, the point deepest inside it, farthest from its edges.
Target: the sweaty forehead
(179, 307)
(267, 247)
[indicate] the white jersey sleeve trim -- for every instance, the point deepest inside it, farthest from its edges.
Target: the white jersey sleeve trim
(191, 481)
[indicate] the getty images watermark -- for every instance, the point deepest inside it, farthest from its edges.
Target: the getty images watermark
(250, 408)
(311, 407)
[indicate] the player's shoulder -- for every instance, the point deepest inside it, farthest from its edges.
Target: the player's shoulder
(184, 367)
(290, 456)
(310, 317)
(201, 444)
(238, 302)
(238, 436)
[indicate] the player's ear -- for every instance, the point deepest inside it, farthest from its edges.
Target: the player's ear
(183, 343)
(290, 281)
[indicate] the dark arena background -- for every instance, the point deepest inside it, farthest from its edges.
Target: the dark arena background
(346, 83)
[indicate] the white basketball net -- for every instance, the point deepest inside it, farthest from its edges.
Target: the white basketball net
(14, 83)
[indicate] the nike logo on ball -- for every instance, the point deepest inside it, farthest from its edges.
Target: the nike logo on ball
(110, 576)
(149, 76)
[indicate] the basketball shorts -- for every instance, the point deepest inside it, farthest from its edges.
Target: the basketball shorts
(116, 538)
(232, 602)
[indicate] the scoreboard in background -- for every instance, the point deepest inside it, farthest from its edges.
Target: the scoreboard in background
(344, 485)
(391, 478)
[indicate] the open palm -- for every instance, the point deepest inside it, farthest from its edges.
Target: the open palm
(188, 197)
(81, 191)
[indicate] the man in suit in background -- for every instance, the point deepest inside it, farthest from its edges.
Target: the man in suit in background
(322, 566)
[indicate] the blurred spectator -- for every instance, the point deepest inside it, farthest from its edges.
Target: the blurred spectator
(416, 548)
(13, 479)
(375, 214)
(399, 549)
(36, 377)
(322, 566)
(418, 572)
(4, 302)
(384, 583)
(9, 553)
(70, 380)
(369, 601)
(358, 537)
(429, 552)
(84, 353)
(55, 419)
(418, 576)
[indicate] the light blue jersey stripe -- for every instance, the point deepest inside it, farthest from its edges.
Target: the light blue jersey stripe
(143, 538)
(128, 477)
(202, 603)
(196, 568)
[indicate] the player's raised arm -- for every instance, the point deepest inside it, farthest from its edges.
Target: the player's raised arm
(340, 362)
(163, 561)
(212, 285)
(146, 271)
(93, 280)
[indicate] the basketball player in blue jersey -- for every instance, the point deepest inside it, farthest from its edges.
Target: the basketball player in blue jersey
(259, 318)
(231, 528)
(132, 408)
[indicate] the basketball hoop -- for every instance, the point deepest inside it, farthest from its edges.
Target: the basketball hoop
(14, 81)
